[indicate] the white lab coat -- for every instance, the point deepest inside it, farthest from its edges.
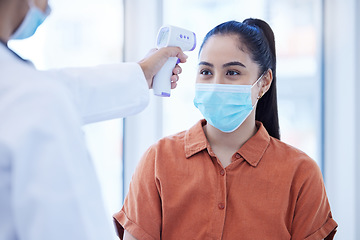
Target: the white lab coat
(48, 185)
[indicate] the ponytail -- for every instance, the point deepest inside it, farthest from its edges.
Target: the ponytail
(267, 109)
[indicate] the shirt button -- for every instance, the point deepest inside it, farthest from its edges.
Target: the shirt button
(222, 172)
(237, 155)
(221, 206)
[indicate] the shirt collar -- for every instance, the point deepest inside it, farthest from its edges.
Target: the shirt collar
(252, 151)
(195, 139)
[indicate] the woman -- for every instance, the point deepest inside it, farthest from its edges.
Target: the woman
(229, 176)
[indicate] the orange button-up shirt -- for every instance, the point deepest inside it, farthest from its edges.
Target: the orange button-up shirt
(270, 191)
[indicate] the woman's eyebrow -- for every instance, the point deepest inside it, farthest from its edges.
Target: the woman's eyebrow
(206, 64)
(233, 63)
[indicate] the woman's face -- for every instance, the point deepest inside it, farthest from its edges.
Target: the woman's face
(224, 60)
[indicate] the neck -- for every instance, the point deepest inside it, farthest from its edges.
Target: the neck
(234, 140)
(12, 14)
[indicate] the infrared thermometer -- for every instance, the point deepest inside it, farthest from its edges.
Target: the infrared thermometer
(171, 36)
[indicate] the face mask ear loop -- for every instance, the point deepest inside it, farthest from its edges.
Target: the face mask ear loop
(257, 99)
(253, 106)
(259, 78)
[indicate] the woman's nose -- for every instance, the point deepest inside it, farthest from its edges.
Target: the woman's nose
(218, 79)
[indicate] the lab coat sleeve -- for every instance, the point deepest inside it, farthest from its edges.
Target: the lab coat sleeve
(106, 92)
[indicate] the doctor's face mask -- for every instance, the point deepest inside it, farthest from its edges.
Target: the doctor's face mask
(33, 19)
(227, 88)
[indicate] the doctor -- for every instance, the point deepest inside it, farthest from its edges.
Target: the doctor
(48, 186)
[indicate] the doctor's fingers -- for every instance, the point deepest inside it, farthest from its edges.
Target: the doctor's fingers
(177, 69)
(173, 85)
(174, 52)
(175, 77)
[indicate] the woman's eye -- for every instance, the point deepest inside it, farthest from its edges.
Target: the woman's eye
(205, 72)
(232, 73)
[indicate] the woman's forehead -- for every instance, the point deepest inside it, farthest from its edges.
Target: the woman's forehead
(224, 47)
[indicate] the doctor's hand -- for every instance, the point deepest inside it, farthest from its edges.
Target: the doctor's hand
(156, 58)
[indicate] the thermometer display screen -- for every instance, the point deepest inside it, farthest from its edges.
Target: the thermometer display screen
(163, 37)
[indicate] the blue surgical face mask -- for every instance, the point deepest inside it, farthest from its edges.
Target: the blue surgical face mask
(224, 106)
(33, 19)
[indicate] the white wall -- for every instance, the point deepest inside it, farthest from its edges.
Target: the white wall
(341, 80)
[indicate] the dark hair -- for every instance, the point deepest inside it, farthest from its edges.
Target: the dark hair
(259, 40)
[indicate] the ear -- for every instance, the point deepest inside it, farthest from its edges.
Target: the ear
(266, 82)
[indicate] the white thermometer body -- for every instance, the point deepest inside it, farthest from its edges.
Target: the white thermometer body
(171, 36)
